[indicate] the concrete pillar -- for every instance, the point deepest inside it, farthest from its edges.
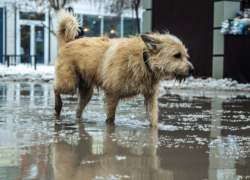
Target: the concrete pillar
(222, 10)
(147, 16)
(10, 38)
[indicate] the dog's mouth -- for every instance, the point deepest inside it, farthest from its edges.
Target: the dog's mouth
(180, 78)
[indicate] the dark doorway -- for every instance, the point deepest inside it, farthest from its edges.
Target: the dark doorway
(192, 22)
(25, 44)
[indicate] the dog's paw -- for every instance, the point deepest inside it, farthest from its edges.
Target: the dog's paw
(111, 121)
(154, 126)
(57, 116)
(78, 114)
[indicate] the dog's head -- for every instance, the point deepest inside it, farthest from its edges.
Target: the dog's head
(167, 56)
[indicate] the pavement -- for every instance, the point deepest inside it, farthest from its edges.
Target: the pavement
(203, 135)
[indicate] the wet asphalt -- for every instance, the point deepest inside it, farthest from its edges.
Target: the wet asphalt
(203, 135)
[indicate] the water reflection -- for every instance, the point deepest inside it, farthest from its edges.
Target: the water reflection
(203, 135)
(105, 154)
(220, 166)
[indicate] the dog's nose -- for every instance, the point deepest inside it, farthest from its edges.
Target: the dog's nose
(191, 70)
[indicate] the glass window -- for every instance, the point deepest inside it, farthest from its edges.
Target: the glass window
(32, 16)
(91, 25)
(112, 26)
(129, 27)
(79, 16)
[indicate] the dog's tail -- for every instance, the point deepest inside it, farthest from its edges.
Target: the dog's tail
(67, 26)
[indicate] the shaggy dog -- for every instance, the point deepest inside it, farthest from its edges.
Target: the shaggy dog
(122, 68)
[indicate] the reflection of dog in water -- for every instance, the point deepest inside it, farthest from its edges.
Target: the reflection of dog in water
(100, 156)
(122, 67)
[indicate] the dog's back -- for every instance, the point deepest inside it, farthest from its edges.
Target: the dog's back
(76, 55)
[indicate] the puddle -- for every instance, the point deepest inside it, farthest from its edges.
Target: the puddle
(202, 135)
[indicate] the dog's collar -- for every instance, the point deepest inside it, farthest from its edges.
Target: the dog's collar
(146, 62)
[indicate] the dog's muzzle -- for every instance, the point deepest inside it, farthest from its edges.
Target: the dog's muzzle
(191, 70)
(182, 77)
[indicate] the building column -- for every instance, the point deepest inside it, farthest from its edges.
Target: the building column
(223, 9)
(147, 16)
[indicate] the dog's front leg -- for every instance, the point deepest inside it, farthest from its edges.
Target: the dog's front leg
(58, 103)
(151, 105)
(112, 103)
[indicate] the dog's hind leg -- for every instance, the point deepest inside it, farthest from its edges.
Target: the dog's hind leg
(85, 93)
(151, 104)
(65, 82)
(112, 103)
(58, 103)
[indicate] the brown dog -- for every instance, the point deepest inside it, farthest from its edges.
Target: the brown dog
(122, 68)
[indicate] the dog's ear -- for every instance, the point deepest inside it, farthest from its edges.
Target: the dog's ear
(150, 42)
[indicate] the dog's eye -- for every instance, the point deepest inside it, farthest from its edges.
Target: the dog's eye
(178, 56)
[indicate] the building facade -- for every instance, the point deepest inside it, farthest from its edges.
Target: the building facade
(28, 29)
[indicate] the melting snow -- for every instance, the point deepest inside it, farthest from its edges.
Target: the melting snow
(46, 74)
(120, 157)
(209, 83)
(27, 73)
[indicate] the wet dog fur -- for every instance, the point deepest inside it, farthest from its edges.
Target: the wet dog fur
(115, 66)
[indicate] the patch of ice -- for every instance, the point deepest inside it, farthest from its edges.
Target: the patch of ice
(87, 162)
(168, 127)
(119, 158)
(99, 177)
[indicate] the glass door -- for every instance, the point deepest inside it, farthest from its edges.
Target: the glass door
(32, 43)
(25, 43)
(39, 44)
(33, 37)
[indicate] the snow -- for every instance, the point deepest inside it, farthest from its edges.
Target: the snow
(120, 157)
(225, 84)
(27, 73)
(46, 74)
